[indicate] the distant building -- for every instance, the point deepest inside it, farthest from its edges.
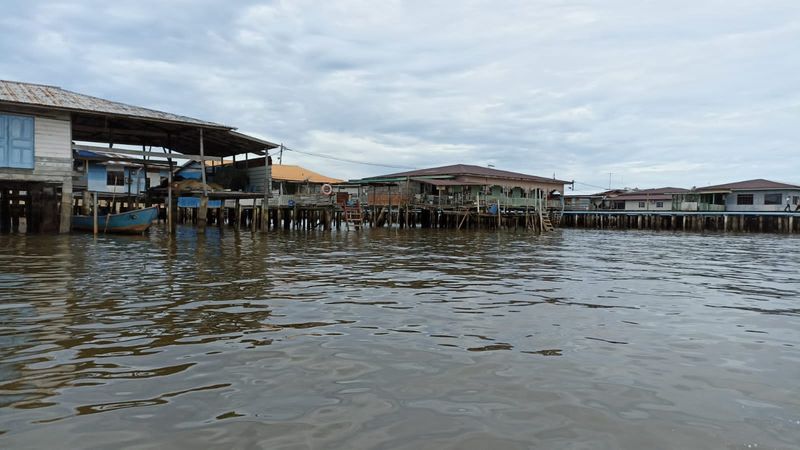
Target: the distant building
(591, 202)
(287, 179)
(461, 184)
(659, 199)
(750, 195)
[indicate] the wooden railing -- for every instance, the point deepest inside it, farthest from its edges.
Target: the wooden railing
(453, 200)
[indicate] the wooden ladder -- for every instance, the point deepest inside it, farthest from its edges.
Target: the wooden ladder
(547, 225)
(555, 216)
(353, 215)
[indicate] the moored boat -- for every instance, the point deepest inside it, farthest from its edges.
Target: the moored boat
(136, 221)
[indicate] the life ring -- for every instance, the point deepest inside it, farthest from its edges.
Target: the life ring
(327, 189)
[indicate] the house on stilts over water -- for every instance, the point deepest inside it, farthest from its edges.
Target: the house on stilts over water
(462, 196)
(50, 160)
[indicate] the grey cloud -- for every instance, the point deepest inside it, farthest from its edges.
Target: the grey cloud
(659, 93)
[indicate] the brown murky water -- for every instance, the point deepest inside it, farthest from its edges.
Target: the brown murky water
(384, 339)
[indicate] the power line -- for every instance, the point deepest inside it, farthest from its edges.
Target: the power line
(592, 185)
(335, 158)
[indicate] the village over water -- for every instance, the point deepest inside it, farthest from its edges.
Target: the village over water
(73, 162)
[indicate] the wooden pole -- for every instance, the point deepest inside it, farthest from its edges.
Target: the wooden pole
(85, 203)
(389, 191)
(65, 223)
(170, 216)
(408, 199)
(94, 212)
(267, 189)
(202, 212)
(203, 164)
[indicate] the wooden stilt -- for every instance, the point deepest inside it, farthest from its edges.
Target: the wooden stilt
(95, 205)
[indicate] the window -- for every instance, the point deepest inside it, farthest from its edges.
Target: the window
(641, 204)
(115, 177)
(659, 204)
(772, 199)
(16, 141)
(744, 199)
(796, 200)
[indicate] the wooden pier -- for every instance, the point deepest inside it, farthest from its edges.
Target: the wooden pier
(753, 222)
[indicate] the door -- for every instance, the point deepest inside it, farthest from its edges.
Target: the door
(19, 142)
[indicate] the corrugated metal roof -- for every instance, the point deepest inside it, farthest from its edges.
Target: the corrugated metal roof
(467, 169)
(757, 184)
(118, 157)
(58, 98)
(664, 193)
(642, 197)
(287, 172)
(441, 182)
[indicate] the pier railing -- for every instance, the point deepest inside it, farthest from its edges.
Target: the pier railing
(452, 200)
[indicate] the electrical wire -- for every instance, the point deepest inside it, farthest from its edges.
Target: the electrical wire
(592, 185)
(335, 158)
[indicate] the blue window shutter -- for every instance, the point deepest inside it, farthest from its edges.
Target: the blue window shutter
(3, 141)
(20, 142)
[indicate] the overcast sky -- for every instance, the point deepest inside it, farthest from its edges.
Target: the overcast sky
(657, 93)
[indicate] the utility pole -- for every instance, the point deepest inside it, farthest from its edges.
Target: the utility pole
(280, 155)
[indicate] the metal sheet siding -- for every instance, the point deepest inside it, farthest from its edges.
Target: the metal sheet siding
(257, 177)
(53, 138)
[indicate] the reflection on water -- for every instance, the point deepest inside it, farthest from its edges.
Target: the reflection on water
(385, 339)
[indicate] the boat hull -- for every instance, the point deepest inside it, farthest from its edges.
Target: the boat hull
(137, 221)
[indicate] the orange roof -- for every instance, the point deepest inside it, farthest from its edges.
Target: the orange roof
(288, 172)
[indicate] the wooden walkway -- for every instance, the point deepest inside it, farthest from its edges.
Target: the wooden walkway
(778, 222)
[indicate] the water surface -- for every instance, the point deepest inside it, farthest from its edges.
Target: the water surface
(414, 339)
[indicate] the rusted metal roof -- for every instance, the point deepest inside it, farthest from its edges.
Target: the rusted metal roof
(664, 193)
(445, 182)
(58, 98)
(467, 169)
(99, 120)
(298, 174)
(748, 185)
(289, 172)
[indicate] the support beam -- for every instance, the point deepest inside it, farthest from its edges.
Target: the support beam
(121, 151)
(203, 165)
(66, 206)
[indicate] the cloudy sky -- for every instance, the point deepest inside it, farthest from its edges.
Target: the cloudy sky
(636, 93)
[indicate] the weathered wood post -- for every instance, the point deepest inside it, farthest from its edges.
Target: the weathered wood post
(86, 198)
(66, 206)
(94, 212)
(170, 210)
(389, 195)
(267, 190)
(238, 213)
(203, 209)
(5, 211)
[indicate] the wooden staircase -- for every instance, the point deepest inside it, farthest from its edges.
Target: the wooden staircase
(547, 225)
(353, 215)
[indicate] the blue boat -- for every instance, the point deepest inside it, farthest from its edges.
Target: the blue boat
(136, 221)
